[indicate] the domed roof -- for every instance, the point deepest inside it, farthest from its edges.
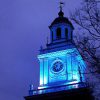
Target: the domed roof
(61, 19)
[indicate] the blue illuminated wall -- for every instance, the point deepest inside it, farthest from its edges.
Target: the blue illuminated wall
(71, 60)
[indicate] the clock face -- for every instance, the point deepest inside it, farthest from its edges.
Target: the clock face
(57, 67)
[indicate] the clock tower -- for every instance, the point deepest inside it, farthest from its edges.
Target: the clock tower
(60, 61)
(61, 66)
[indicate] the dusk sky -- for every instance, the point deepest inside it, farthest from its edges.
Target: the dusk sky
(23, 29)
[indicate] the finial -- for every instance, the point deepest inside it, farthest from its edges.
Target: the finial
(31, 87)
(61, 6)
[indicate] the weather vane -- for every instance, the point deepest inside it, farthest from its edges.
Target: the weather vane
(61, 5)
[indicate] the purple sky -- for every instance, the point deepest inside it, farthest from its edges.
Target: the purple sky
(23, 29)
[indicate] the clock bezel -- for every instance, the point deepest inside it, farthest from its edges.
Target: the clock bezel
(51, 68)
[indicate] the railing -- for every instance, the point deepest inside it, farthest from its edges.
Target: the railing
(58, 88)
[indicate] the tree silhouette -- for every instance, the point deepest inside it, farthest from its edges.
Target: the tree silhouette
(87, 18)
(87, 40)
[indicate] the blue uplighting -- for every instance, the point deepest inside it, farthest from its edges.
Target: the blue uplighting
(67, 69)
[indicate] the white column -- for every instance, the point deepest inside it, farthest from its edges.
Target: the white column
(41, 72)
(45, 71)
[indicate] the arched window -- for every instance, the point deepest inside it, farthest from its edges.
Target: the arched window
(58, 33)
(66, 33)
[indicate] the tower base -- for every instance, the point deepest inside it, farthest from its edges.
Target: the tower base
(79, 93)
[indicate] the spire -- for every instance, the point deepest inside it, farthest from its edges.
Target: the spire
(61, 12)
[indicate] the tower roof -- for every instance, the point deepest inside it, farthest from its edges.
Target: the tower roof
(61, 19)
